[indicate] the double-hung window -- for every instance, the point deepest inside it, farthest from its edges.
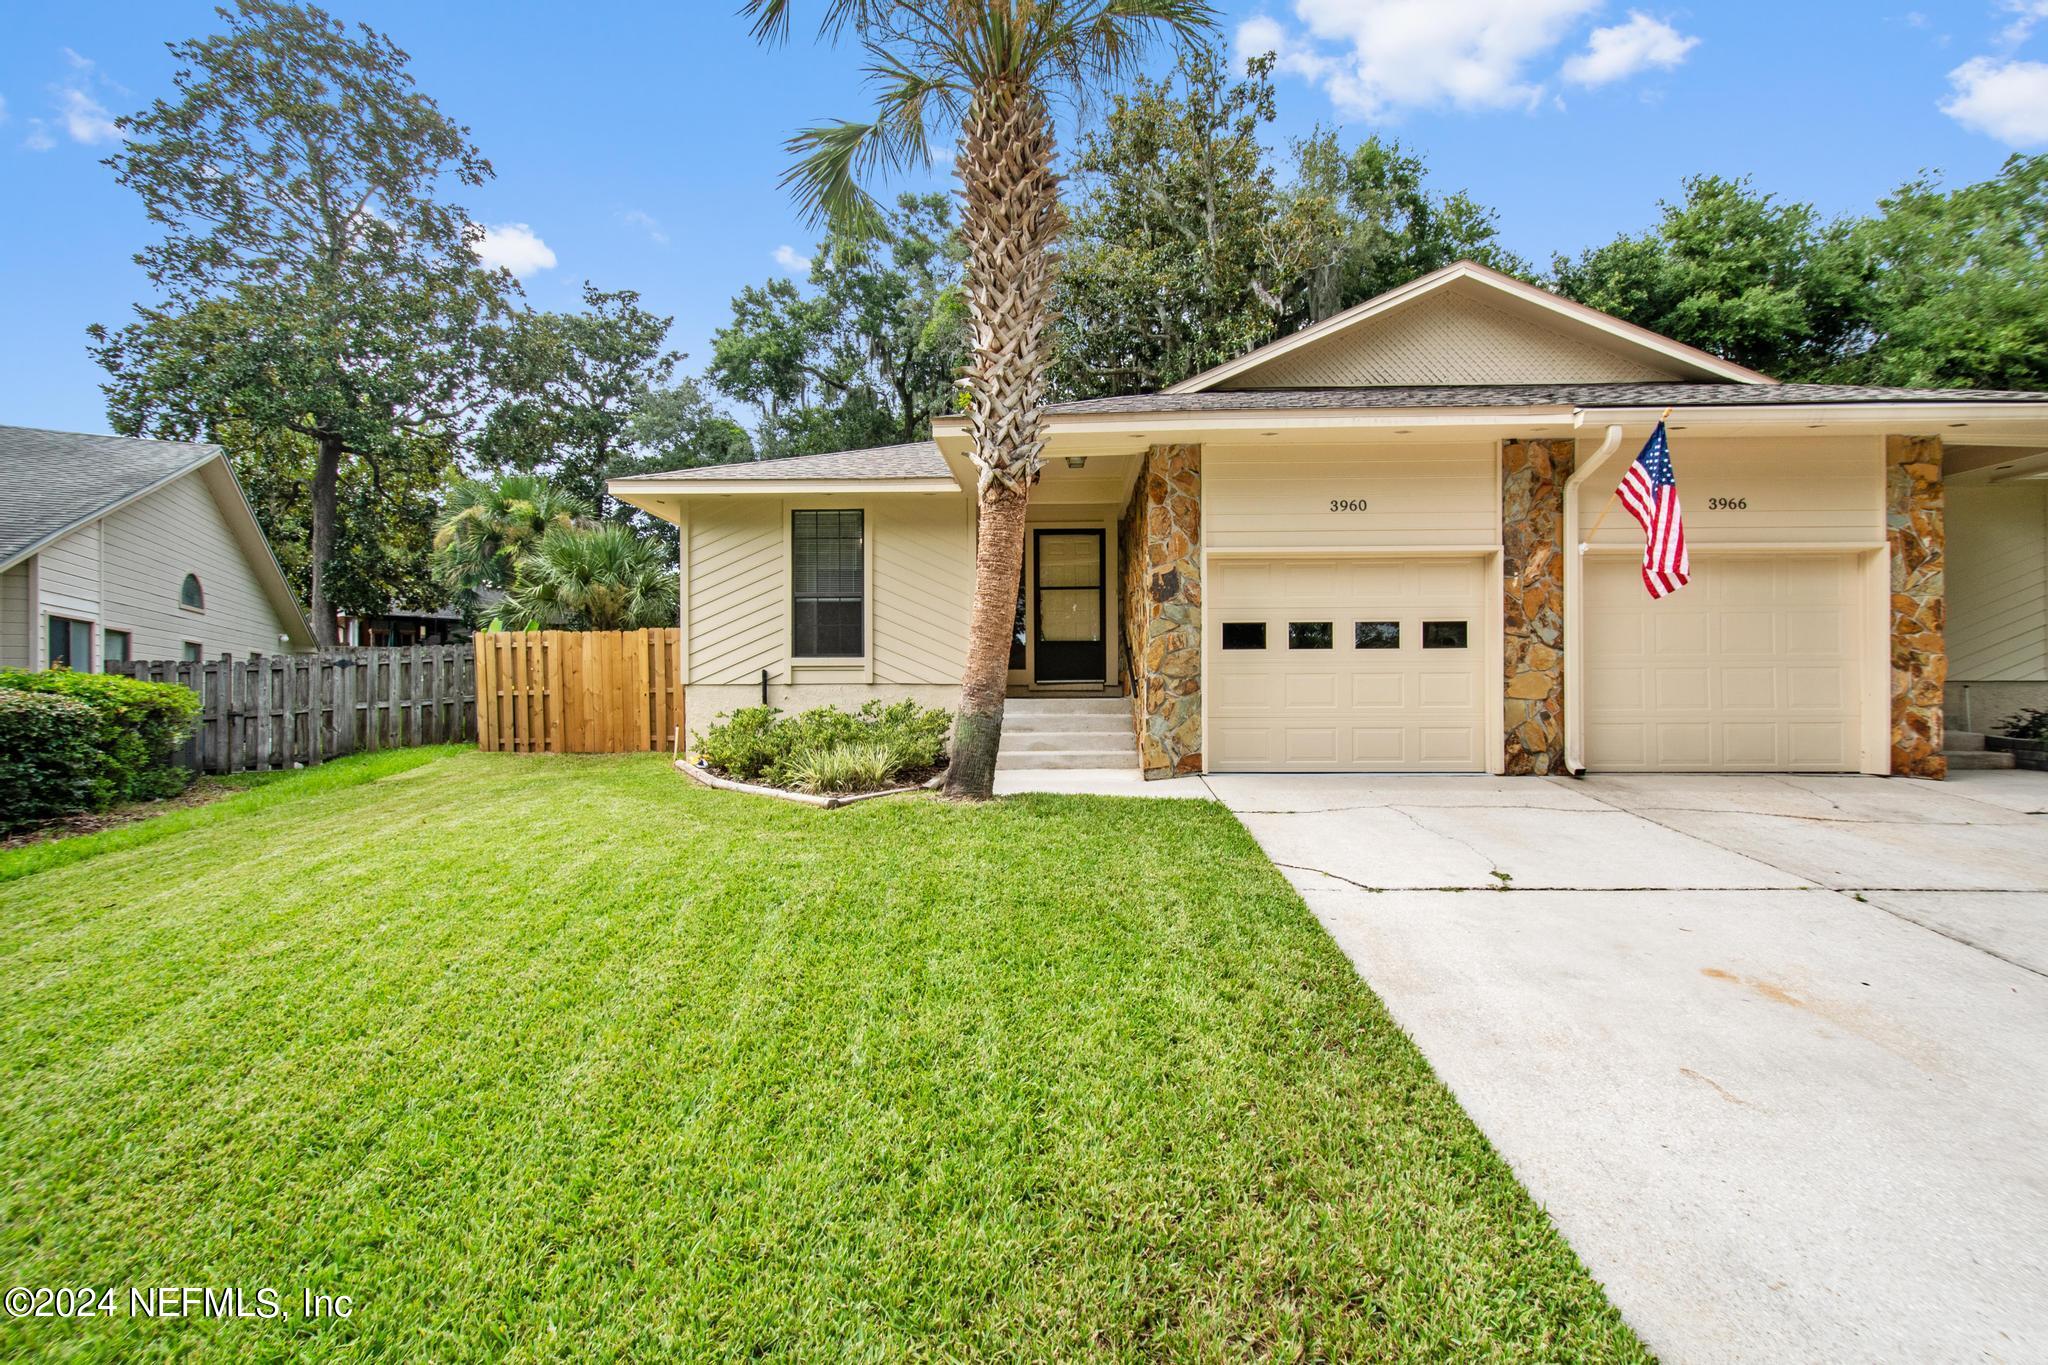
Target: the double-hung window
(829, 608)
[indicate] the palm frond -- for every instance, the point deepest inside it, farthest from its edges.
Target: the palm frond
(834, 162)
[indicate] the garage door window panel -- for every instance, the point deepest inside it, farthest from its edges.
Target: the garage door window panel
(1244, 634)
(1445, 634)
(1376, 635)
(1310, 635)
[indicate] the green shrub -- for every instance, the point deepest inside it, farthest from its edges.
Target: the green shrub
(141, 725)
(861, 766)
(760, 744)
(2032, 723)
(50, 759)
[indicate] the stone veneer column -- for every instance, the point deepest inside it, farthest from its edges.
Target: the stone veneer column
(1160, 568)
(1532, 479)
(1913, 525)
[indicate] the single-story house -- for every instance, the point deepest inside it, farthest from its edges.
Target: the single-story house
(115, 549)
(1359, 548)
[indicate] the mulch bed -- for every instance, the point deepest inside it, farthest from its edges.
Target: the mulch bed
(203, 792)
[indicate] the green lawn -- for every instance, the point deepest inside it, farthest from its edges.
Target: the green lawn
(556, 1056)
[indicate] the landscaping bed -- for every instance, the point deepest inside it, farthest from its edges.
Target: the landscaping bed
(826, 752)
(538, 1055)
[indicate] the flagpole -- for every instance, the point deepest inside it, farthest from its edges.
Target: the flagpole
(1608, 506)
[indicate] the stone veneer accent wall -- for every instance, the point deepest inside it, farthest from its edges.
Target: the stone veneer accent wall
(1532, 479)
(1913, 525)
(1160, 572)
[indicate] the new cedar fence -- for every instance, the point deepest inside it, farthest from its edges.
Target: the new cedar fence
(284, 710)
(579, 691)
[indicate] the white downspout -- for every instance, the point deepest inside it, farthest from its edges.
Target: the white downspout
(1575, 601)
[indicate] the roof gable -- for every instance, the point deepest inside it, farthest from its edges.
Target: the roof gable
(53, 482)
(1467, 325)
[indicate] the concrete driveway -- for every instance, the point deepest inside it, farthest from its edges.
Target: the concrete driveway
(1772, 1051)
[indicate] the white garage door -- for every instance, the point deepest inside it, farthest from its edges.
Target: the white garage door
(1367, 665)
(1753, 667)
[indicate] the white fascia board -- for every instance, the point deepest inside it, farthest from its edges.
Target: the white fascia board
(627, 490)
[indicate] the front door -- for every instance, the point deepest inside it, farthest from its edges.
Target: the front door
(1068, 606)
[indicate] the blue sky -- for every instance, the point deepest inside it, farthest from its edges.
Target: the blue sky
(639, 144)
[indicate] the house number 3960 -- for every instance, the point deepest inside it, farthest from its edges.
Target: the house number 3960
(1347, 504)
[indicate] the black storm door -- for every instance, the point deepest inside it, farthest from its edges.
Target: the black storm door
(1067, 593)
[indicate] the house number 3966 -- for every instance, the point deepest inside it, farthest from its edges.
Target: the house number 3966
(1347, 504)
(1727, 504)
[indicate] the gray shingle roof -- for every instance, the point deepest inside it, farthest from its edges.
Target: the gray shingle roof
(50, 481)
(918, 460)
(1531, 395)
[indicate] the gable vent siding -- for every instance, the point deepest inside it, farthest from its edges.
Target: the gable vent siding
(1448, 339)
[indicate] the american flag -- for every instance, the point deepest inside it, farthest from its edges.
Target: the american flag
(1650, 493)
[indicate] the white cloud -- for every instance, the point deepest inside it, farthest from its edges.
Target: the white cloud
(85, 118)
(647, 223)
(514, 247)
(786, 256)
(2028, 16)
(1622, 50)
(1379, 56)
(39, 138)
(2006, 100)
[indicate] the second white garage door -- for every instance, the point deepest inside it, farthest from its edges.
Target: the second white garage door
(1752, 667)
(1361, 665)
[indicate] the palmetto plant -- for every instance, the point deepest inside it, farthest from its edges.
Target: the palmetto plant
(986, 69)
(592, 578)
(488, 524)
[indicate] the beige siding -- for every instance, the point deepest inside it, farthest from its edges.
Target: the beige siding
(738, 573)
(69, 574)
(14, 618)
(1998, 582)
(923, 588)
(1449, 338)
(1280, 496)
(150, 545)
(920, 584)
(1822, 490)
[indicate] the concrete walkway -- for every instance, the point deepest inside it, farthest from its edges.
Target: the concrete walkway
(1772, 1051)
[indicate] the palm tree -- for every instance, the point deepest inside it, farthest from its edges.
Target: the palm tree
(488, 524)
(592, 578)
(987, 68)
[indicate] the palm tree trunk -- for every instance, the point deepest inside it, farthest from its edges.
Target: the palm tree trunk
(1012, 217)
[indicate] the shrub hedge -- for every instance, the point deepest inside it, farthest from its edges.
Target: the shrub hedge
(826, 748)
(50, 760)
(135, 733)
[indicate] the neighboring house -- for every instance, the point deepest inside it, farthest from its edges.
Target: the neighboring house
(116, 549)
(1355, 549)
(404, 626)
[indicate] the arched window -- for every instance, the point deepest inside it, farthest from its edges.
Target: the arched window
(190, 594)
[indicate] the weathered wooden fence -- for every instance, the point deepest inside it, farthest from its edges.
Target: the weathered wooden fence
(278, 710)
(578, 692)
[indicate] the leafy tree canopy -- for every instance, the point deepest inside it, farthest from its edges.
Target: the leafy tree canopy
(868, 353)
(1735, 271)
(572, 384)
(311, 278)
(1957, 282)
(1187, 247)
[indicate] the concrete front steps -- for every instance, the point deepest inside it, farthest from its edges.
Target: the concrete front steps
(1067, 732)
(1965, 749)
